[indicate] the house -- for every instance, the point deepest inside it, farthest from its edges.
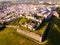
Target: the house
(48, 15)
(30, 26)
(55, 14)
(46, 12)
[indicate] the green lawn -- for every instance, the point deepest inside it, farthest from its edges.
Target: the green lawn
(8, 36)
(15, 22)
(38, 31)
(41, 30)
(42, 27)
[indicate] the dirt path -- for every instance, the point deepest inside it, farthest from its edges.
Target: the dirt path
(27, 33)
(30, 34)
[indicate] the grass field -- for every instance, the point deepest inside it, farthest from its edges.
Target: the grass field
(8, 36)
(40, 30)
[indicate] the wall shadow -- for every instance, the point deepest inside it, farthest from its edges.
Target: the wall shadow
(2, 27)
(53, 37)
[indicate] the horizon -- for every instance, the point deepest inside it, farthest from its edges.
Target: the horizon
(31, 0)
(52, 1)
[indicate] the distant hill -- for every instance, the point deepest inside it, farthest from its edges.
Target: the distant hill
(53, 1)
(33, 0)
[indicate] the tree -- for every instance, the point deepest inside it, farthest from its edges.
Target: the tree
(22, 21)
(58, 10)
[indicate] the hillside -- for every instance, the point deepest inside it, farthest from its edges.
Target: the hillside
(54, 33)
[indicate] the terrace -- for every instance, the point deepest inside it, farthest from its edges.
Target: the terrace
(23, 10)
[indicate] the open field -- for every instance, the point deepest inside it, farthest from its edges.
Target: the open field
(8, 36)
(40, 30)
